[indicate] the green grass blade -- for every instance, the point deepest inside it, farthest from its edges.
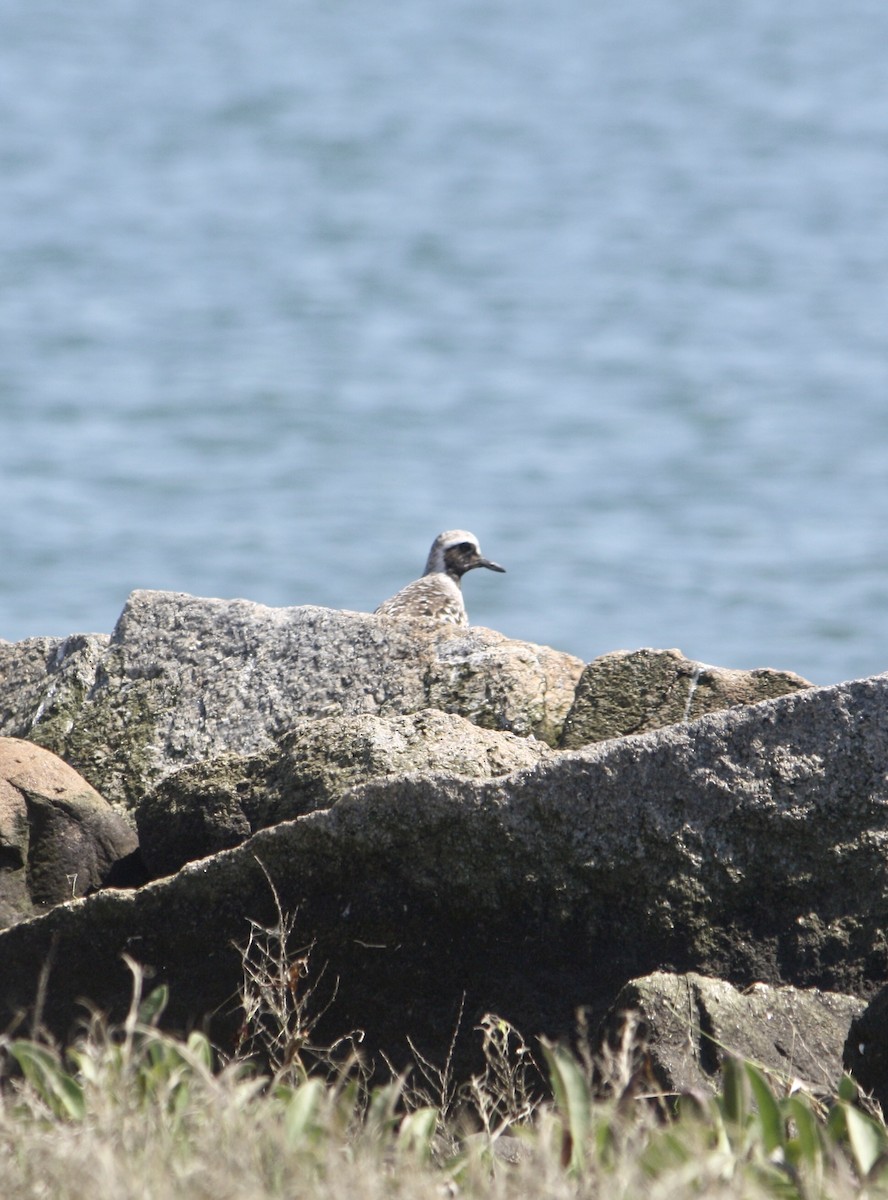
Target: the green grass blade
(770, 1118)
(382, 1108)
(416, 1133)
(866, 1138)
(572, 1099)
(734, 1093)
(302, 1109)
(806, 1148)
(201, 1048)
(152, 1007)
(43, 1070)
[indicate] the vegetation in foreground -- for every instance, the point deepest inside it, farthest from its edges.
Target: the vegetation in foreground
(136, 1113)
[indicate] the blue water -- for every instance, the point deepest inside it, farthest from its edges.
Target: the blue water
(287, 288)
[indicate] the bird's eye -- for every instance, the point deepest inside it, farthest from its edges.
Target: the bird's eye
(466, 548)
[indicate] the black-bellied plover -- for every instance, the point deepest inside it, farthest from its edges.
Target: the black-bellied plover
(437, 596)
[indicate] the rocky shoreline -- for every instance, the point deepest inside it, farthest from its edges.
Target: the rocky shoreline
(458, 823)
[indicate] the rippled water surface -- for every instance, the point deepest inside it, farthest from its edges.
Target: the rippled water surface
(287, 289)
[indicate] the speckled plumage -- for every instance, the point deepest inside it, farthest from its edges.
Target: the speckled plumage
(437, 595)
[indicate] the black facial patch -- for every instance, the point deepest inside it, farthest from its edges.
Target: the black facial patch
(460, 558)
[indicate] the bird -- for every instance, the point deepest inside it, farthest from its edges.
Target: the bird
(437, 595)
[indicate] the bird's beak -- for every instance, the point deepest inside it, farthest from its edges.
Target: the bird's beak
(491, 566)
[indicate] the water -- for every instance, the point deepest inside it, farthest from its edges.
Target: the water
(286, 289)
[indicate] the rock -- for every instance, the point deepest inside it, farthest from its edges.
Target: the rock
(635, 691)
(218, 804)
(46, 680)
(185, 679)
(687, 1023)
(751, 845)
(866, 1048)
(58, 837)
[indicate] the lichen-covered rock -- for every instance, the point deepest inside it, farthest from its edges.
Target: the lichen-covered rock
(45, 680)
(750, 845)
(184, 679)
(58, 837)
(215, 805)
(686, 1024)
(635, 691)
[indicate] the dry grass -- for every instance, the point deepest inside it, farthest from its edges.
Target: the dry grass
(134, 1114)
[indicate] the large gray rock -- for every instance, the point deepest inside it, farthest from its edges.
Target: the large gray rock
(866, 1048)
(184, 679)
(751, 845)
(58, 837)
(46, 680)
(635, 691)
(686, 1024)
(214, 805)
